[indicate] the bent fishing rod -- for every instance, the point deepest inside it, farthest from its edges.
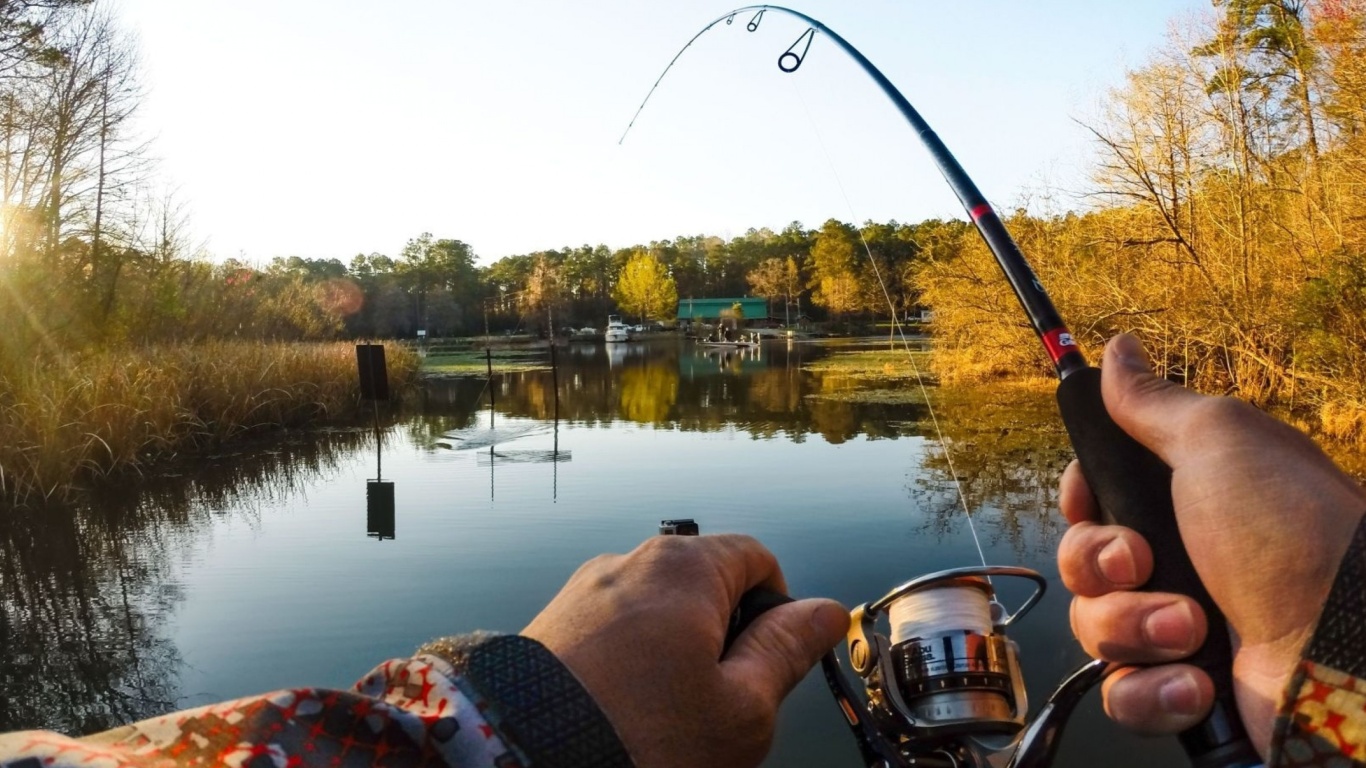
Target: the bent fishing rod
(944, 688)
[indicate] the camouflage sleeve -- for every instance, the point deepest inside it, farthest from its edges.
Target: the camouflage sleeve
(1323, 716)
(510, 706)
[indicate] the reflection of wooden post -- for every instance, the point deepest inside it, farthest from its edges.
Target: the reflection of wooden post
(555, 455)
(555, 380)
(379, 509)
(488, 355)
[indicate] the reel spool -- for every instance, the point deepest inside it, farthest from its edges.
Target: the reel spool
(948, 679)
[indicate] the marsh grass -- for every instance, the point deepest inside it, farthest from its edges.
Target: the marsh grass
(70, 418)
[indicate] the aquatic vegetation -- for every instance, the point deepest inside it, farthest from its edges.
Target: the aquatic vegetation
(468, 357)
(68, 418)
(873, 364)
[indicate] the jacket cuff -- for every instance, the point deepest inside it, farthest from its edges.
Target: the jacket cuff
(533, 701)
(1322, 720)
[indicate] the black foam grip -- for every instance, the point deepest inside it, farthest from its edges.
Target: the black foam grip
(1133, 488)
(753, 604)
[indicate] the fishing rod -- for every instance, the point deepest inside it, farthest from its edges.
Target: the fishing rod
(944, 688)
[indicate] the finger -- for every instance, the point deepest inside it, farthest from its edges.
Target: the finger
(1098, 559)
(743, 564)
(1158, 700)
(1138, 627)
(780, 647)
(1151, 409)
(1075, 497)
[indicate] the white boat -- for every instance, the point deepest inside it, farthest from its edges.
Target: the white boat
(617, 331)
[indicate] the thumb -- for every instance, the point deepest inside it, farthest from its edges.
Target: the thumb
(775, 652)
(1150, 408)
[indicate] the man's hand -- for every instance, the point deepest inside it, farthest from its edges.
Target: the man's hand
(1266, 518)
(644, 633)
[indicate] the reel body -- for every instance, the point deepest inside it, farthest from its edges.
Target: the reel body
(944, 687)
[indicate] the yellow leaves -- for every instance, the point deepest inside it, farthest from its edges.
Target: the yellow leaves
(645, 289)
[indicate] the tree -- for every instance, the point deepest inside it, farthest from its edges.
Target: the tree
(25, 27)
(834, 281)
(778, 278)
(544, 291)
(444, 266)
(645, 288)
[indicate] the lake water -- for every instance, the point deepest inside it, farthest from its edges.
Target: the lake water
(260, 569)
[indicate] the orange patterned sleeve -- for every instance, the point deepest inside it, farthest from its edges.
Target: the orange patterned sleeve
(1322, 721)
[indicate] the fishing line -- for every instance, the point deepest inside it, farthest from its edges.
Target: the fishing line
(897, 327)
(907, 721)
(927, 613)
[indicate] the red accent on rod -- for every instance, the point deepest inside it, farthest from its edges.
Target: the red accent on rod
(981, 211)
(1059, 342)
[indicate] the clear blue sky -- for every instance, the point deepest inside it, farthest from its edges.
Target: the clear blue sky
(326, 128)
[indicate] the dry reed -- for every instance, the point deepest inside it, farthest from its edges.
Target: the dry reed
(69, 418)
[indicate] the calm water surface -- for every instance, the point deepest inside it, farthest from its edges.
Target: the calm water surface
(259, 570)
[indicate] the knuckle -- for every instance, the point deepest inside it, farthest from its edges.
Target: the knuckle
(1098, 623)
(659, 549)
(1090, 567)
(600, 572)
(1134, 627)
(1134, 699)
(1216, 415)
(1073, 552)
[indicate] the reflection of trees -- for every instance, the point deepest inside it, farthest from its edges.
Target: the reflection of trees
(1009, 448)
(682, 388)
(648, 393)
(1007, 443)
(86, 594)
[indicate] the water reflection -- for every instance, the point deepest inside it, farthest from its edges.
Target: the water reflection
(1007, 451)
(87, 594)
(763, 391)
(98, 627)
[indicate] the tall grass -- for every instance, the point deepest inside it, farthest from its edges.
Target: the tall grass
(70, 418)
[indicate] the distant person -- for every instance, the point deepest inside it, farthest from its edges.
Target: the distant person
(624, 666)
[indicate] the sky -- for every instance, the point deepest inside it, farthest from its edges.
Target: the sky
(327, 128)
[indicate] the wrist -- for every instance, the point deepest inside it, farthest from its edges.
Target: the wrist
(534, 701)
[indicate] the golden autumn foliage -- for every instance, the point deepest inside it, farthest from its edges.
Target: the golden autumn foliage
(1226, 229)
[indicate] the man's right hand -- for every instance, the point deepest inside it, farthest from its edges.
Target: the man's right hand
(1266, 518)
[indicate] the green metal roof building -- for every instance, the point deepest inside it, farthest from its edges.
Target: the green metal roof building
(711, 309)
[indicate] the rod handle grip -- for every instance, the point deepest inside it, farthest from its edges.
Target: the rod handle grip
(1133, 488)
(753, 604)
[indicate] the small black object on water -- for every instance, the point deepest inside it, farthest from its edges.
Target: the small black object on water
(683, 527)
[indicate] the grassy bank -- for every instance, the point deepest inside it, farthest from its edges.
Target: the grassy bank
(69, 418)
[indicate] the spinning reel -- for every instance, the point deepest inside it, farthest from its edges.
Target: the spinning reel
(944, 689)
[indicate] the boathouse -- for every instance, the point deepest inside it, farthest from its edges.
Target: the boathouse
(704, 310)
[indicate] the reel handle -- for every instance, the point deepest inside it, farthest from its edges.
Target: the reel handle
(1133, 488)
